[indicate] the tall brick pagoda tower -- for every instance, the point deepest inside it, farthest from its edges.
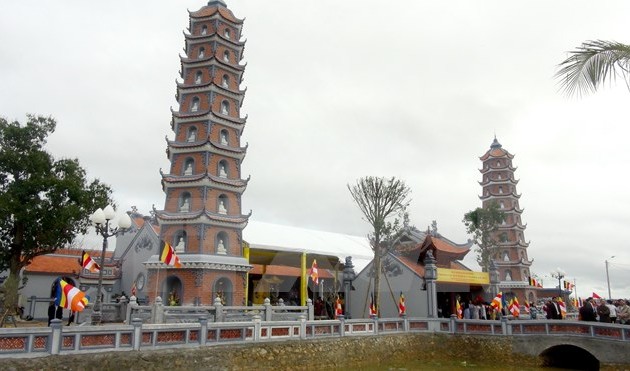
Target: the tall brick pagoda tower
(202, 216)
(499, 186)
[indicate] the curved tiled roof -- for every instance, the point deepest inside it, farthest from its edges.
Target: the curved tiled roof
(208, 11)
(62, 261)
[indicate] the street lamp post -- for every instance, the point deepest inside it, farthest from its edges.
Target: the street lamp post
(608, 277)
(559, 274)
(102, 220)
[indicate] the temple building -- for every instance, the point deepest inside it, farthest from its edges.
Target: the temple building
(499, 186)
(202, 217)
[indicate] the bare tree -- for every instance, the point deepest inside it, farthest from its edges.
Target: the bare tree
(380, 200)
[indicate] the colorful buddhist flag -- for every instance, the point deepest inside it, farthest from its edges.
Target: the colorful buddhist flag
(88, 263)
(338, 307)
(402, 308)
(373, 311)
(526, 307)
(563, 307)
(515, 307)
(133, 289)
(314, 273)
(458, 309)
(497, 302)
(168, 256)
(70, 297)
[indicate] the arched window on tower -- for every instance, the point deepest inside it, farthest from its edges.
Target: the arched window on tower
(222, 243)
(204, 29)
(498, 163)
(226, 33)
(202, 52)
(226, 56)
(500, 190)
(194, 107)
(502, 204)
(198, 76)
(508, 275)
(225, 107)
(192, 134)
(184, 202)
(223, 172)
(499, 176)
(188, 166)
(225, 81)
(224, 137)
(506, 256)
(222, 204)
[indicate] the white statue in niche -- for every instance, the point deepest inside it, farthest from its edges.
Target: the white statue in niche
(188, 170)
(222, 171)
(192, 136)
(222, 209)
(181, 245)
(224, 140)
(185, 206)
(508, 276)
(506, 257)
(221, 247)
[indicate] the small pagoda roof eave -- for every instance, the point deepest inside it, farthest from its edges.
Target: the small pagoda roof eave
(198, 38)
(211, 10)
(496, 153)
(202, 143)
(443, 246)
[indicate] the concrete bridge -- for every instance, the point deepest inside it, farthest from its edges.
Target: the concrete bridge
(578, 345)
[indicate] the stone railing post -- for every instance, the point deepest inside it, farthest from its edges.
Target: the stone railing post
(218, 310)
(302, 326)
(203, 331)
(257, 321)
(268, 309)
(506, 328)
(311, 309)
(157, 311)
(55, 341)
(133, 304)
(137, 333)
(342, 325)
(452, 326)
(32, 302)
(405, 322)
(122, 309)
(376, 329)
(281, 302)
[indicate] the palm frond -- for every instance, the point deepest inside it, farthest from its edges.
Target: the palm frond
(592, 64)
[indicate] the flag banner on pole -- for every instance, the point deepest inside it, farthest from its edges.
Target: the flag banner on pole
(133, 289)
(515, 307)
(70, 297)
(497, 301)
(563, 307)
(580, 302)
(595, 296)
(338, 307)
(168, 256)
(373, 311)
(314, 273)
(402, 308)
(526, 307)
(458, 309)
(88, 263)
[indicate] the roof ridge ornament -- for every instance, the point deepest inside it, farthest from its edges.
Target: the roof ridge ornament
(216, 3)
(495, 143)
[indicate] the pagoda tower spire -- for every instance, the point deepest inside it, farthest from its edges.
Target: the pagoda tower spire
(499, 187)
(202, 217)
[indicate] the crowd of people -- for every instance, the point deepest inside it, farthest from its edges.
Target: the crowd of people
(606, 311)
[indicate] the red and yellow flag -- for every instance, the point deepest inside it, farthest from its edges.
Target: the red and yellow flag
(88, 263)
(373, 311)
(496, 302)
(314, 273)
(515, 307)
(458, 309)
(402, 308)
(338, 307)
(168, 256)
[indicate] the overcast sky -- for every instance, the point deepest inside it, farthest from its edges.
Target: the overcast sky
(337, 90)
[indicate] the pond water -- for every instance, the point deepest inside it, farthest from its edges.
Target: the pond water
(454, 365)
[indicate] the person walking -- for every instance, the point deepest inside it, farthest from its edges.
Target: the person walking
(51, 311)
(623, 312)
(587, 311)
(613, 311)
